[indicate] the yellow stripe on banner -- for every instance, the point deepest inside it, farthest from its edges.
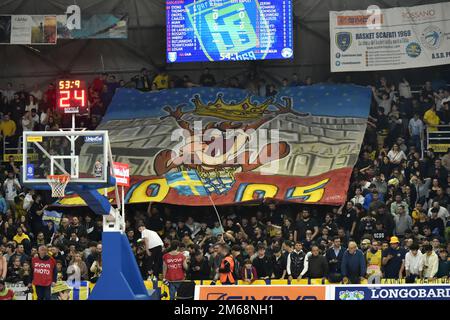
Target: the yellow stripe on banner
(77, 201)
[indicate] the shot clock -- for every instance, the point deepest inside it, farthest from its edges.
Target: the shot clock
(71, 95)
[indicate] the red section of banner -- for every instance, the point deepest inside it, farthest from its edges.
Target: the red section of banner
(330, 188)
(327, 189)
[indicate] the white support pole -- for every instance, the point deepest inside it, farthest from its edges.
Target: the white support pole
(72, 148)
(123, 206)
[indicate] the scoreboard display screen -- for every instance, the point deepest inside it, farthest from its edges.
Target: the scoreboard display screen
(228, 30)
(71, 95)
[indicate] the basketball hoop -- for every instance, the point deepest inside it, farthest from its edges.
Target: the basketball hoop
(58, 184)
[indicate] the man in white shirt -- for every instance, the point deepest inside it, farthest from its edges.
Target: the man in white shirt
(442, 213)
(8, 93)
(358, 198)
(153, 246)
(28, 200)
(35, 118)
(430, 262)
(413, 264)
(445, 160)
(37, 93)
(404, 89)
(416, 128)
(11, 186)
(194, 226)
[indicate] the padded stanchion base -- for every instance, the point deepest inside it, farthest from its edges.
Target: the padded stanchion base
(120, 278)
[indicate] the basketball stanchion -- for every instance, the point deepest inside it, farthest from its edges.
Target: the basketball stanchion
(78, 172)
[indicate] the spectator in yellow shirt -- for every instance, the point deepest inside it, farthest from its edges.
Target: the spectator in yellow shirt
(20, 236)
(415, 214)
(7, 126)
(431, 118)
(373, 259)
(161, 80)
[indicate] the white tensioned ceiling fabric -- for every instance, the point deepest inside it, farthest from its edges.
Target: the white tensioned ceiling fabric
(145, 46)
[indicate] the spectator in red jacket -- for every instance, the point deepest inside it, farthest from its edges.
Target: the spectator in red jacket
(98, 82)
(44, 273)
(50, 97)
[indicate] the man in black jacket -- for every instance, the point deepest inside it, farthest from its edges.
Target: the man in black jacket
(77, 228)
(144, 262)
(262, 263)
(238, 259)
(306, 223)
(287, 247)
(334, 257)
(35, 214)
(387, 219)
(316, 265)
(199, 268)
(278, 264)
(439, 172)
(295, 262)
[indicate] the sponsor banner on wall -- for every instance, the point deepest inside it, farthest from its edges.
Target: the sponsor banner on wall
(99, 26)
(46, 29)
(396, 38)
(392, 292)
(28, 29)
(122, 173)
(260, 292)
(18, 157)
(439, 147)
(194, 146)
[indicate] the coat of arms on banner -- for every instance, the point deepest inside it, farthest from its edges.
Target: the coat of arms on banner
(431, 37)
(351, 295)
(343, 40)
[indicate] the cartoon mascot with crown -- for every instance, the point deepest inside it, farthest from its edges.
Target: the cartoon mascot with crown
(218, 150)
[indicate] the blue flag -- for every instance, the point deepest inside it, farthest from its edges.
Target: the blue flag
(53, 216)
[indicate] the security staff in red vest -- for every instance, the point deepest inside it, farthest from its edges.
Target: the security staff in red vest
(44, 273)
(226, 270)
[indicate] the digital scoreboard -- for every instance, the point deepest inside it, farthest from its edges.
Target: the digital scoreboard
(71, 95)
(228, 30)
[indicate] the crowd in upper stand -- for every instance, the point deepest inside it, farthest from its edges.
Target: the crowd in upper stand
(395, 223)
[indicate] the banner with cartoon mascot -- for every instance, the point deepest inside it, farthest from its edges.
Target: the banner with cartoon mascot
(201, 145)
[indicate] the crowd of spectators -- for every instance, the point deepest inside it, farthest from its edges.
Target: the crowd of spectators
(395, 223)
(23, 109)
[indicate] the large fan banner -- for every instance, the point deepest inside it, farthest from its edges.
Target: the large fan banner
(201, 146)
(389, 39)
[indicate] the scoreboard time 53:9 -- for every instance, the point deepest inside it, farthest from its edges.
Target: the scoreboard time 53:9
(224, 30)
